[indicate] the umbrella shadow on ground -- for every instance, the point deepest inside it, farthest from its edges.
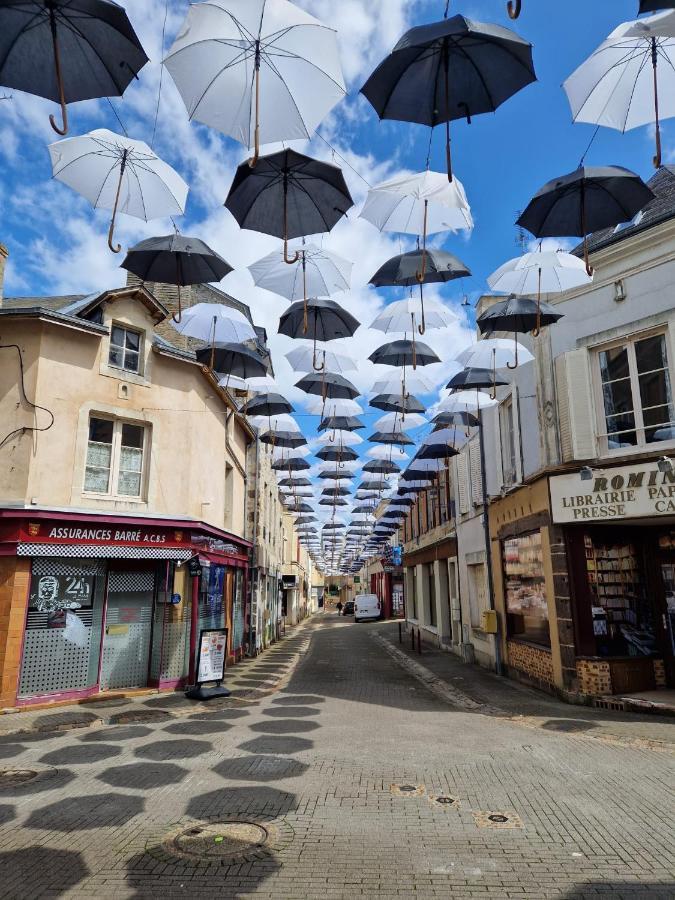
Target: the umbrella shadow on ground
(11, 751)
(260, 768)
(173, 750)
(290, 712)
(48, 780)
(568, 725)
(80, 754)
(304, 699)
(624, 889)
(190, 727)
(276, 744)
(219, 715)
(7, 813)
(284, 726)
(251, 800)
(68, 719)
(142, 776)
(86, 813)
(117, 733)
(168, 701)
(37, 871)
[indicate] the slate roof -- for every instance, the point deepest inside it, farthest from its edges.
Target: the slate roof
(659, 210)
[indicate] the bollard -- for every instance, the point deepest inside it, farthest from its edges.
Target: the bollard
(419, 641)
(400, 634)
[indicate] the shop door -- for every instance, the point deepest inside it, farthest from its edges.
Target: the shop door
(667, 617)
(128, 630)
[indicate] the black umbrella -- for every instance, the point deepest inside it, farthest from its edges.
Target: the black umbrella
(476, 378)
(380, 485)
(267, 405)
(175, 259)
(344, 423)
(334, 475)
(585, 201)
(338, 501)
(365, 508)
(336, 491)
(283, 439)
(517, 314)
(647, 6)
(67, 50)
(396, 403)
(292, 464)
(453, 69)
(233, 359)
(391, 437)
(288, 195)
(317, 319)
(299, 507)
(381, 467)
(305, 520)
(337, 454)
(404, 270)
(444, 419)
(328, 385)
(404, 353)
(296, 481)
(440, 450)
(333, 526)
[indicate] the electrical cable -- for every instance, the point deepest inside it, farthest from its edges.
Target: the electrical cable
(35, 406)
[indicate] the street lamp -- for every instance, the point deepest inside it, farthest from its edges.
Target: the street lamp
(665, 465)
(586, 473)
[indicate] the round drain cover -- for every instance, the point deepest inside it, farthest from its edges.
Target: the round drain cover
(498, 820)
(220, 840)
(14, 777)
(448, 800)
(407, 788)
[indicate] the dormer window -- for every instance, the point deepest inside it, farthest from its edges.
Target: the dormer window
(125, 349)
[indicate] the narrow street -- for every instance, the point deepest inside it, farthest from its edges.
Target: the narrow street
(350, 779)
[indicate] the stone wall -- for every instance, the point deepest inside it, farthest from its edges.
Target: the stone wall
(535, 663)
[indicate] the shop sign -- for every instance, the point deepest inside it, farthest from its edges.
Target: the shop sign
(194, 568)
(212, 655)
(105, 533)
(626, 492)
(215, 545)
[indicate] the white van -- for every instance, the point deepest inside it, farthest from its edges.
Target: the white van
(366, 606)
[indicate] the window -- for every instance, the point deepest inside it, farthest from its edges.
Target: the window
(525, 588)
(508, 442)
(125, 349)
(477, 593)
(636, 393)
(115, 456)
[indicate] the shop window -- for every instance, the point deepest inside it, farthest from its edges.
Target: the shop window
(125, 349)
(636, 395)
(525, 587)
(622, 616)
(115, 458)
(508, 442)
(477, 593)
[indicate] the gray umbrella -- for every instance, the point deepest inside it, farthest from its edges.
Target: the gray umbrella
(267, 405)
(297, 481)
(337, 454)
(328, 385)
(403, 270)
(283, 439)
(444, 419)
(67, 50)
(395, 403)
(343, 423)
(453, 69)
(317, 319)
(476, 378)
(292, 464)
(381, 467)
(233, 359)
(399, 438)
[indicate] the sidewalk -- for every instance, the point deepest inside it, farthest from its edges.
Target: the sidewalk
(248, 681)
(474, 689)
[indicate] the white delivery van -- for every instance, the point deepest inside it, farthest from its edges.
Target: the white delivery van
(366, 606)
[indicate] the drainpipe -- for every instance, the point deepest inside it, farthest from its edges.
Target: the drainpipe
(254, 556)
(194, 626)
(488, 543)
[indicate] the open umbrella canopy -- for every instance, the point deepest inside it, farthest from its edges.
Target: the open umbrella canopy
(386, 453)
(288, 195)
(396, 438)
(540, 272)
(317, 319)
(381, 467)
(647, 6)
(348, 423)
(395, 422)
(67, 50)
(292, 464)
(232, 359)
(317, 273)
(267, 405)
(415, 382)
(403, 269)
(425, 203)
(298, 481)
(444, 419)
(404, 315)
(215, 323)
(452, 69)
(586, 200)
(283, 438)
(302, 359)
(397, 403)
(404, 353)
(465, 401)
(474, 377)
(374, 485)
(329, 385)
(332, 407)
(495, 353)
(336, 501)
(518, 314)
(340, 438)
(337, 454)
(259, 71)
(115, 172)
(175, 259)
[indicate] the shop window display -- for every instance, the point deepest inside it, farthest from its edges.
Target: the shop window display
(622, 615)
(525, 588)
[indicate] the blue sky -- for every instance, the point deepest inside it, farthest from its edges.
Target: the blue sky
(57, 242)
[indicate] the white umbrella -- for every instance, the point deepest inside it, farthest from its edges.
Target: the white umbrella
(317, 273)
(258, 70)
(280, 422)
(495, 353)
(394, 422)
(402, 316)
(629, 80)
(279, 453)
(415, 382)
(339, 436)
(302, 360)
(540, 272)
(216, 323)
(118, 173)
(425, 203)
(464, 401)
(332, 406)
(380, 451)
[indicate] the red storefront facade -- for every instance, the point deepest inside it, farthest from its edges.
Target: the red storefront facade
(93, 604)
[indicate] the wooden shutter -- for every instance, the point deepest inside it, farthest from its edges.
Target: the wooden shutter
(475, 470)
(576, 414)
(462, 483)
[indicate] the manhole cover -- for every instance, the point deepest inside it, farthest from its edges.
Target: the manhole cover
(14, 777)
(445, 801)
(407, 790)
(497, 820)
(221, 840)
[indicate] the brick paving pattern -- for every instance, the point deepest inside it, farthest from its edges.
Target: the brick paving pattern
(320, 746)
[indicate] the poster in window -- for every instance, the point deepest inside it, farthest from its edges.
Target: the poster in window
(50, 593)
(212, 655)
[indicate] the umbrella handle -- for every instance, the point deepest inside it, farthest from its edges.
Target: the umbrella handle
(256, 150)
(448, 152)
(111, 230)
(180, 309)
(287, 259)
(423, 327)
(59, 81)
(508, 364)
(414, 346)
(513, 7)
(657, 157)
(322, 367)
(537, 328)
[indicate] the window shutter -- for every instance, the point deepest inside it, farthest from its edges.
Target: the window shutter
(476, 481)
(462, 484)
(576, 415)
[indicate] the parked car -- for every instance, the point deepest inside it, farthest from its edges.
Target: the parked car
(348, 608)
(367, 606)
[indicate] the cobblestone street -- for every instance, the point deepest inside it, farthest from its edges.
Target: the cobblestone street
(347, 778)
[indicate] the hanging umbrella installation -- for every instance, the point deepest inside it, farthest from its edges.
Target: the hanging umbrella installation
(232, 359)
(215, 323)
(587, 200)
(317, 273)
(318, 319)
(259, 71)
(403, 354)
(118, 173)
(629, 80)
(448, 70)
(519, 315)
(289, 195)
(302, 360)
(495, 353)
(176, 259)
(267, 405)
(68, 50)
(396, 403)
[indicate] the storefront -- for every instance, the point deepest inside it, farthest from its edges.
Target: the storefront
(97, 605)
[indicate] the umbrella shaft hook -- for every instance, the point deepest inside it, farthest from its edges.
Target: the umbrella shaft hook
(111, 230)
(655, 57)
(508, 364)
(289, 260)
(256, 139)
(59, 78)
(513, 7)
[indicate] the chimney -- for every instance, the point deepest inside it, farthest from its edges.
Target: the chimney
(4, 253)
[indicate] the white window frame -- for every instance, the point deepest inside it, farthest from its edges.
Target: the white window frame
(629, 341)
(141, 336)
(113, 493)
(477, 593)
(508, 404)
